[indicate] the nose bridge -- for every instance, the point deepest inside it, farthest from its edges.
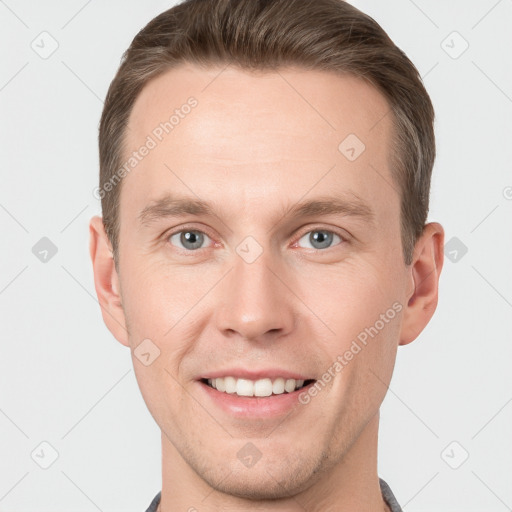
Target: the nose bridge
(255, 302)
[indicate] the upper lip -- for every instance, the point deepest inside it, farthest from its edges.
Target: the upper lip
(269, 373)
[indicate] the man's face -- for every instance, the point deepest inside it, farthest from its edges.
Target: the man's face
(253, 289)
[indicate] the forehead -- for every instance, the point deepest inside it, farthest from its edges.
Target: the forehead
(218, 131)
(310, 102)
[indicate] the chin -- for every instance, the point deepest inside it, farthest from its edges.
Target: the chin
(267, 479)
(261, 485)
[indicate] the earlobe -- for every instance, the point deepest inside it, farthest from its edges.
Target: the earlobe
(106, 281)
(425, 270)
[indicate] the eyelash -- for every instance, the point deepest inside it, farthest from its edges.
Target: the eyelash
(310, 230)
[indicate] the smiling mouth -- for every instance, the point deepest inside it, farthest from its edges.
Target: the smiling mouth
(256, 389)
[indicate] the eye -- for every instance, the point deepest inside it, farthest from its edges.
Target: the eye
(190, 239)
(320, 238)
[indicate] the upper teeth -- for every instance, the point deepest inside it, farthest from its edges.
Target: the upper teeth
(262, 387)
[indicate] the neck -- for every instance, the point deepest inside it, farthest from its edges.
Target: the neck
(351, 483)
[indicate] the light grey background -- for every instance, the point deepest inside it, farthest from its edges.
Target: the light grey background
(65, 380)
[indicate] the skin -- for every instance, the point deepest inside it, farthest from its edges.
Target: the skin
(254, 147)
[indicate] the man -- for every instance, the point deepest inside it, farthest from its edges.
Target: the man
(264, 174)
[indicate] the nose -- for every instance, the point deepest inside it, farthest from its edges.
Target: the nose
(255, 302)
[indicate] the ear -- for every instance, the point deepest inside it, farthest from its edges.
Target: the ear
(106, 281)
(425, 270)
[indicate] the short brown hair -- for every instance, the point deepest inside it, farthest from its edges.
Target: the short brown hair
(328, 35)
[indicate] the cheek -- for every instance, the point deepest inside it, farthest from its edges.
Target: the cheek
(366, 317)
(157, 296)
(362, 306)
(171, 306)
(354, 296)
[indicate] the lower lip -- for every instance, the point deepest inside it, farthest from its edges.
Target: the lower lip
(254, 407)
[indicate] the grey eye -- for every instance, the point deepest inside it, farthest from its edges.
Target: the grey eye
(189, 239)
(320, 238)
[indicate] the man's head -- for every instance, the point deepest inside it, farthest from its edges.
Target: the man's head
(266, 124)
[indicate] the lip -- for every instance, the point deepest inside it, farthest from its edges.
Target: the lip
(269, 373)
(253, 407)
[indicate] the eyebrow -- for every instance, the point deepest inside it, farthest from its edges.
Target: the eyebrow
(172, 206)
